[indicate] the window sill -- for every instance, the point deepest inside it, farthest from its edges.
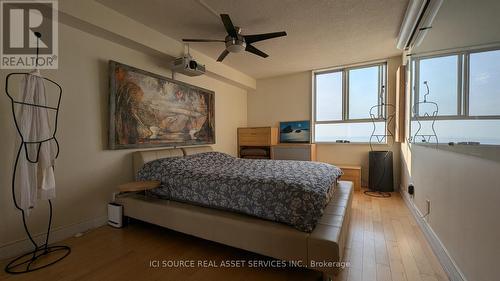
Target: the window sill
(361, 143)
(483, 151)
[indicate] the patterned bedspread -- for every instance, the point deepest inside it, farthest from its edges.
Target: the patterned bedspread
(290, 192)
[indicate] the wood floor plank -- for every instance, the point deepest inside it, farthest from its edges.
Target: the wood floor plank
(420, 257)
(355, 274)
(381, 255)
(409, 263)
(383, 273)
(436, 266)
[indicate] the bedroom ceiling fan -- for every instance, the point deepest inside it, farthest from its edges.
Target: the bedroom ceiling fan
(236, 42)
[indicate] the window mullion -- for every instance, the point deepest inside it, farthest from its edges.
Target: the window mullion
(345, 93)
(416, 89)
(460, 84)
(386, 87)
(380, 97)
(465, 89)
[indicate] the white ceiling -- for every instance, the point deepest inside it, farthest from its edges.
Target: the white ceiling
(321, 33)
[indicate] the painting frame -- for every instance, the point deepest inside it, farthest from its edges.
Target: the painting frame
(113, 143)
(294, 125)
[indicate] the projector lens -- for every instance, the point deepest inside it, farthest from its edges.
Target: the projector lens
(193, 64)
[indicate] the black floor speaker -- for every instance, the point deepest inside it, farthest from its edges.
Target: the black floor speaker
(380, 171)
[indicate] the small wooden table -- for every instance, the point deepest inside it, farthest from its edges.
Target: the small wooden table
(138, 186)
(351, 173)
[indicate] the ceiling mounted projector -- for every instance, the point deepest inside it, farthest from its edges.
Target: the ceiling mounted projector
(187, 66)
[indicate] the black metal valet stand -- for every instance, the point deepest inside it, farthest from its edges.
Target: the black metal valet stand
(434, 111)
(39, 257)
(385, 112)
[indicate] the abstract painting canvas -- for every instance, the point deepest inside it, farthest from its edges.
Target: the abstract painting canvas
(148, 110)
(295, 132)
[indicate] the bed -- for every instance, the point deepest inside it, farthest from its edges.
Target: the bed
(324, 242)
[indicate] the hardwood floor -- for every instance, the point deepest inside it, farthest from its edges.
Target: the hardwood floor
(384, 244)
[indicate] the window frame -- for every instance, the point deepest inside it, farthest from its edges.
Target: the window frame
(463, 81)
(382, 80)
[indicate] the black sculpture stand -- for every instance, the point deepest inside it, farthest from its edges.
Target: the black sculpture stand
(379, 172)
(42, 255)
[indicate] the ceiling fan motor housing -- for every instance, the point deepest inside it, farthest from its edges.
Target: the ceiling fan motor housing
(235, 44)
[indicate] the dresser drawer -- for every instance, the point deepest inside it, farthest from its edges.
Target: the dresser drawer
(254, 136)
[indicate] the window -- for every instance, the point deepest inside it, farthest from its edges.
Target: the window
(441, 76)
(466, 88)
(342, 102)
(484, 85)
(364, 90)
(329, 99)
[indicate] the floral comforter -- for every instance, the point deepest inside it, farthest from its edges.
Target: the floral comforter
(290, 192)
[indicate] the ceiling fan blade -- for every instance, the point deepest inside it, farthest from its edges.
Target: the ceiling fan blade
(223, 55)
(260, 37)
(228, 24)
(256, 51)
(202, 40)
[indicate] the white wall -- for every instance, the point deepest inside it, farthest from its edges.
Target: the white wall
(288, 98)
(461, 182)
(86, 172)
(464, 191)
(462, 185)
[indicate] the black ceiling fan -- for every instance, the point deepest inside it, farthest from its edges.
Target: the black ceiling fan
(236, 42)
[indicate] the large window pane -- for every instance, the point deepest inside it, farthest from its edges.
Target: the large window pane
(353, 132)
(363, 91)
(441, 74)
(483, 131)
(484, 85)
(329, 96)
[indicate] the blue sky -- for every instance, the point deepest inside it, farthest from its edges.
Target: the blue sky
(329, 96)
(485, 83)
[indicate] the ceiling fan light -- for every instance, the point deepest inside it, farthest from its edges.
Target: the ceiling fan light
(235, 48)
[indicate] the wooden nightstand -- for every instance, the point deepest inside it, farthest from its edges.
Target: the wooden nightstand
(138, 186)
(351, 173)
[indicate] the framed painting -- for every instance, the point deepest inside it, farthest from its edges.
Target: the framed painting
(149, 110)
(295, 132)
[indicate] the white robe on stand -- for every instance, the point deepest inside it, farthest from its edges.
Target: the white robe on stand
(35, 180)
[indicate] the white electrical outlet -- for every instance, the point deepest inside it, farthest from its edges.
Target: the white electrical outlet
(428, 208)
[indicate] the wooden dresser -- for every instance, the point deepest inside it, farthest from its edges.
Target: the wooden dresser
(256, 142)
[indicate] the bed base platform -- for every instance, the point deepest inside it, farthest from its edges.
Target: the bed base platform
(325, 244)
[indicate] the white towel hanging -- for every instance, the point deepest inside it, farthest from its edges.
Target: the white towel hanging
(35, 180)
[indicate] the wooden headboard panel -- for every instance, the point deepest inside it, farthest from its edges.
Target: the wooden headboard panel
(143, 157)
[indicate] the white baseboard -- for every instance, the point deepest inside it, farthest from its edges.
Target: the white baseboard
(57, 234)
(449, 265)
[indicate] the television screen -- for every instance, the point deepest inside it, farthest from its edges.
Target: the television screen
(295, 132)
